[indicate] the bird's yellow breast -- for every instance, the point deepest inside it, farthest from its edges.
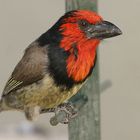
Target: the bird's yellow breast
(44, 94)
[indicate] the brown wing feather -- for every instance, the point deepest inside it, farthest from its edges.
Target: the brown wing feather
(30, 69)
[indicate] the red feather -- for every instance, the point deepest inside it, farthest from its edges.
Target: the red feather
(79, 68)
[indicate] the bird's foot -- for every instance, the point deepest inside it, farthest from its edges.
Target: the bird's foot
(70, 111)
(64, 113)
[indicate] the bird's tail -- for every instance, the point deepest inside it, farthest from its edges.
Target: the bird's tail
(3, 106)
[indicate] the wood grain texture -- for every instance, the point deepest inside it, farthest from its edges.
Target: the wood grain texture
(87, 125)
(81, 4)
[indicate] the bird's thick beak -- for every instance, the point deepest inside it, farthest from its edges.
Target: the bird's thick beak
(104, 30)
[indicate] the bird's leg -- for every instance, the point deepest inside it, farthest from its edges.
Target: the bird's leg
(68, 108)
(64, 113)
(32, 113)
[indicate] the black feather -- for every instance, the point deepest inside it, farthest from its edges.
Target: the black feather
(57, 67)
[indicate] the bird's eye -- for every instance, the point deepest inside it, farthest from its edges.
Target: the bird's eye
(83, 23)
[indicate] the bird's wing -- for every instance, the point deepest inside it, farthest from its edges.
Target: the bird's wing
(30, 69)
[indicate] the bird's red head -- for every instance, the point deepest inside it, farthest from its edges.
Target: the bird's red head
(81, 32)
(76, 41)
(75, 26)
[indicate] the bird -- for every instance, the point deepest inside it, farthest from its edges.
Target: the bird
(56, 64)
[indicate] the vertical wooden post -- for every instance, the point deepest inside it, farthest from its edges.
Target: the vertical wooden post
(87, 125)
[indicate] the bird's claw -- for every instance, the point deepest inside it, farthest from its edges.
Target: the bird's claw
(69, 110)
(64, 113)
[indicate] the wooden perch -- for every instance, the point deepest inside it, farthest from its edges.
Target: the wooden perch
(86, 126)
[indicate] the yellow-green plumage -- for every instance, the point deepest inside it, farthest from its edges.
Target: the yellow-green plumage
(45, 94)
